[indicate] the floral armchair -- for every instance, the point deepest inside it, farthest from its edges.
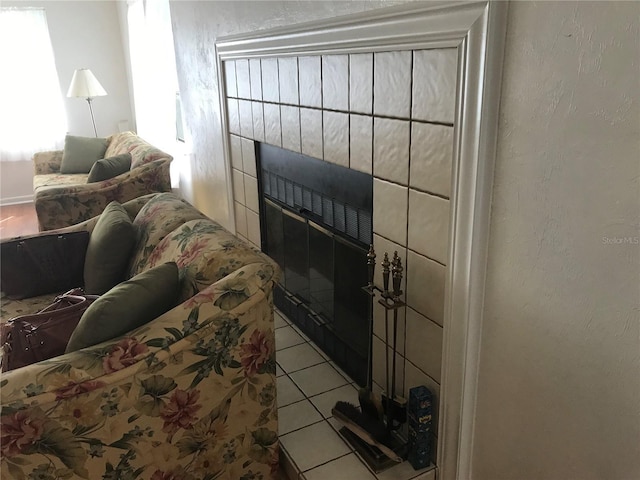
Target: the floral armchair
(190, 395)
(66, 199)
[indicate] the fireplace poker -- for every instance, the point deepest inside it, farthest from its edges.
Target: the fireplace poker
(396, 271)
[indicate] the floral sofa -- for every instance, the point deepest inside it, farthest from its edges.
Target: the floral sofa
(190, 395)
(66, 199)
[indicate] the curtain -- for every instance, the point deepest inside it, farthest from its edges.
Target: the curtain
(153, 69)
(32, 116)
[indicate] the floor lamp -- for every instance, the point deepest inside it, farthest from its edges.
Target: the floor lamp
(84, 84)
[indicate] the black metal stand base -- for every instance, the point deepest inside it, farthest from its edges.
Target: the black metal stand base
(377, 461)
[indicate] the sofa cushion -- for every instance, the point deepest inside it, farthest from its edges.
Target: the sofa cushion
(109, 249)
(109, 168)
(141, 151)
(127, 306)
(80, 153)
(160, 216)
(205, 252)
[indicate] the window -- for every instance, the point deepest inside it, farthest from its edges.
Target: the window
(32, 116)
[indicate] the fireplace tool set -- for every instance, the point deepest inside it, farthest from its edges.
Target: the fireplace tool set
(373, 429)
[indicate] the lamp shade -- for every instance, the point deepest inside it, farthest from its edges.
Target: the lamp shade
(85, 84)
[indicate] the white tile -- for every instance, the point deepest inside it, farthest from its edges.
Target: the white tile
(297, 415)
(272, 128)
(287, 337)
(429, 225)
(382, 245)
(424, 344)
(425, 286)
(249, 157)
(310, 81)
(380, 367)
(361, 82)
(288, 74)
(392, 84)
(255, 76)
(230, 78)
(324, 402)
(434, 84)
(416, 377)
(235, 143)
(246, 118)
(317, 379)
(300, 332)
(258, 121)
(348, 467)
(361, 143)
(279, 321)
(288, 392)
(335, 82)
(431, 158)
(311, 132)
(270, 84)
(281, 316)
(241, 219)
(340, 371)
(279, 371)
(390, 205)
(238, 186)
(391, 149)
(253, 228)
(298, 357)
(314, 445)
(319, 350)
(402, 471)
(233, 115)
(251, 193)
(290, 128)
(336, 137)
(242, 77)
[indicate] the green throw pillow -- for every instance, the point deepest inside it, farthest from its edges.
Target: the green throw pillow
(127, 306)
(109, 250)
(80, 153)
(109, 168)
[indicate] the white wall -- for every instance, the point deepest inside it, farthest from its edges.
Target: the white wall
(196, 25)
(559, 387)
(83, 34)
(559, 383)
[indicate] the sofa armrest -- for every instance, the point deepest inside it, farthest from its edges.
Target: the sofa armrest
(190, 388)
(58, 207)
(47, 162)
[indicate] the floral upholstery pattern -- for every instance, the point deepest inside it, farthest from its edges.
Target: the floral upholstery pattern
(190, 395)
(63, 200)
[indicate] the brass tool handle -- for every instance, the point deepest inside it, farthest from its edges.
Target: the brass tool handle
(371, 264)
(396, 271)
(385, 275)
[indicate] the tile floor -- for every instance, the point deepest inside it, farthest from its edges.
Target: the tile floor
(309, 385)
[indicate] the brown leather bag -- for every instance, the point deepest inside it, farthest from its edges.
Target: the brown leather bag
(32, 338)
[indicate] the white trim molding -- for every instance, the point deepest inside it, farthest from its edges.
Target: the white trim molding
(477, 29)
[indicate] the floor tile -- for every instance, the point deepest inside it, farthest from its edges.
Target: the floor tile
(298, 357)
(279, 371)
(325, 401)
(287, 337)
(318, 379)
(401, 471)
(300, 332)
(348, 467)
(314, 445)
(288, 392)
(297, 415)
(279, 321)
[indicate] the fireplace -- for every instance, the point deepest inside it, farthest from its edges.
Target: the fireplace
(316, 220)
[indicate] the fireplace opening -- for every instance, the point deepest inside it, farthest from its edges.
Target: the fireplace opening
(316, 223)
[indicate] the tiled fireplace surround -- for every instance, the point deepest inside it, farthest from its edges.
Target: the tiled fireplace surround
(389, 114)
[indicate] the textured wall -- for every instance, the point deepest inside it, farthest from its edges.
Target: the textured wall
(196, 26)
(559, 384)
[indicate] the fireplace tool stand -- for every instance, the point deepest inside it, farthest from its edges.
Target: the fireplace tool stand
(382, 422)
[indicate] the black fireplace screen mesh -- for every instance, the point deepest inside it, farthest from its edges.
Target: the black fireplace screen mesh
(316, 224)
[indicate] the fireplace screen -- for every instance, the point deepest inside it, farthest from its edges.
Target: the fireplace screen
(316, 224)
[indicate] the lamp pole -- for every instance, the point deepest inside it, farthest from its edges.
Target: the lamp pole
(92, 118)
